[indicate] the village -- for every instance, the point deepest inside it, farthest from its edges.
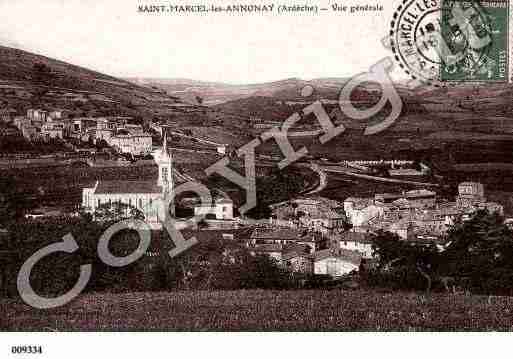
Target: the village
(115, 135)
(310, 234)
(320, 236)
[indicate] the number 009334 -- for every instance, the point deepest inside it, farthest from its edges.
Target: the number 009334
(27, 349)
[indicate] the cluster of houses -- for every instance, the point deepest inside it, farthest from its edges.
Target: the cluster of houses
(304, 236)
(313, 213)
(309, 252)
(40, 124)
(117, 132)
(303, 251)
(416, 215)
(318, 236)
(309, 235)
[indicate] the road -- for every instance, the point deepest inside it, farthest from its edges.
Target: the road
(323, 178)
(342, 170)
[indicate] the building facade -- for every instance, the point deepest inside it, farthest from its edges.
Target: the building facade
(222, 209)
(138, 144)
(416, 213)
(335, 263)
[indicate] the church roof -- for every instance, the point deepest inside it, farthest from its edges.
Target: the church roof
(120, 187)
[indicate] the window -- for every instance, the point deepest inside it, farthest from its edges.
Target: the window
(99, 202)
(164, 174)
(140, 202)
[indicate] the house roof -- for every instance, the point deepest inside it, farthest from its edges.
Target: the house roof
(296, 247)
(268, 248)
(360, 203)
(320, 211)
(420, 193)
(387, 195)
(316, 207)
(345, 255)
(121, 187)
(295, 250)
(401, 202)
(289, 255)
(282, 234)
(356, 237)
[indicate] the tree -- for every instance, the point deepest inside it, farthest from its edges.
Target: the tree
(56, 273)
(478, 258)
(403, 263)
(101, 144)
(13, 202)
(480, 253)
(117, 211)
(216, 263)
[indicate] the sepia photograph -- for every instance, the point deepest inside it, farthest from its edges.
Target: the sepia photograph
(254, 167)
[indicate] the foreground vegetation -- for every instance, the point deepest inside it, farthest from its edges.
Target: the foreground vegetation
(266, 310)
(478, 257)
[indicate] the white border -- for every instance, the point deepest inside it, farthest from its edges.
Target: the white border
(260, 345)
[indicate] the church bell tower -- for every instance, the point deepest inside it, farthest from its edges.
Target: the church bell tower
(165, 180)
(165, 163)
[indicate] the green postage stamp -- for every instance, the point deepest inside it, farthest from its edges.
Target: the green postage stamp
(444, 41)
(476, 35)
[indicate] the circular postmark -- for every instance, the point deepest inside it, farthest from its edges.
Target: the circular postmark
(434, 39)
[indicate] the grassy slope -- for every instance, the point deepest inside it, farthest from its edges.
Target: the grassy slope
(17, 69)
(266, 310)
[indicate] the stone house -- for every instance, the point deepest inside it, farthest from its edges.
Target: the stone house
(295, 258)
(284, 236)
(222, 209)
(335, 263)
(356, 242)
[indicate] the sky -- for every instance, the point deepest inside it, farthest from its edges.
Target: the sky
(110, 36)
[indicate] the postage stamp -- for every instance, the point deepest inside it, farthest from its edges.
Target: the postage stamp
(477, 35)
(439, 42)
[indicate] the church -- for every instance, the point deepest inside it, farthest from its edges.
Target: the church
(146, 196)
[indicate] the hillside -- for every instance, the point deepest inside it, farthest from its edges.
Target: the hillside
(430, 115)
(214, 93)
(267, 108)
(30, 80)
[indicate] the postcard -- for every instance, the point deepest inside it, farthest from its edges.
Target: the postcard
(254, 166)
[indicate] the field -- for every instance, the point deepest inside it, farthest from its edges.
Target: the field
(321, 310)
